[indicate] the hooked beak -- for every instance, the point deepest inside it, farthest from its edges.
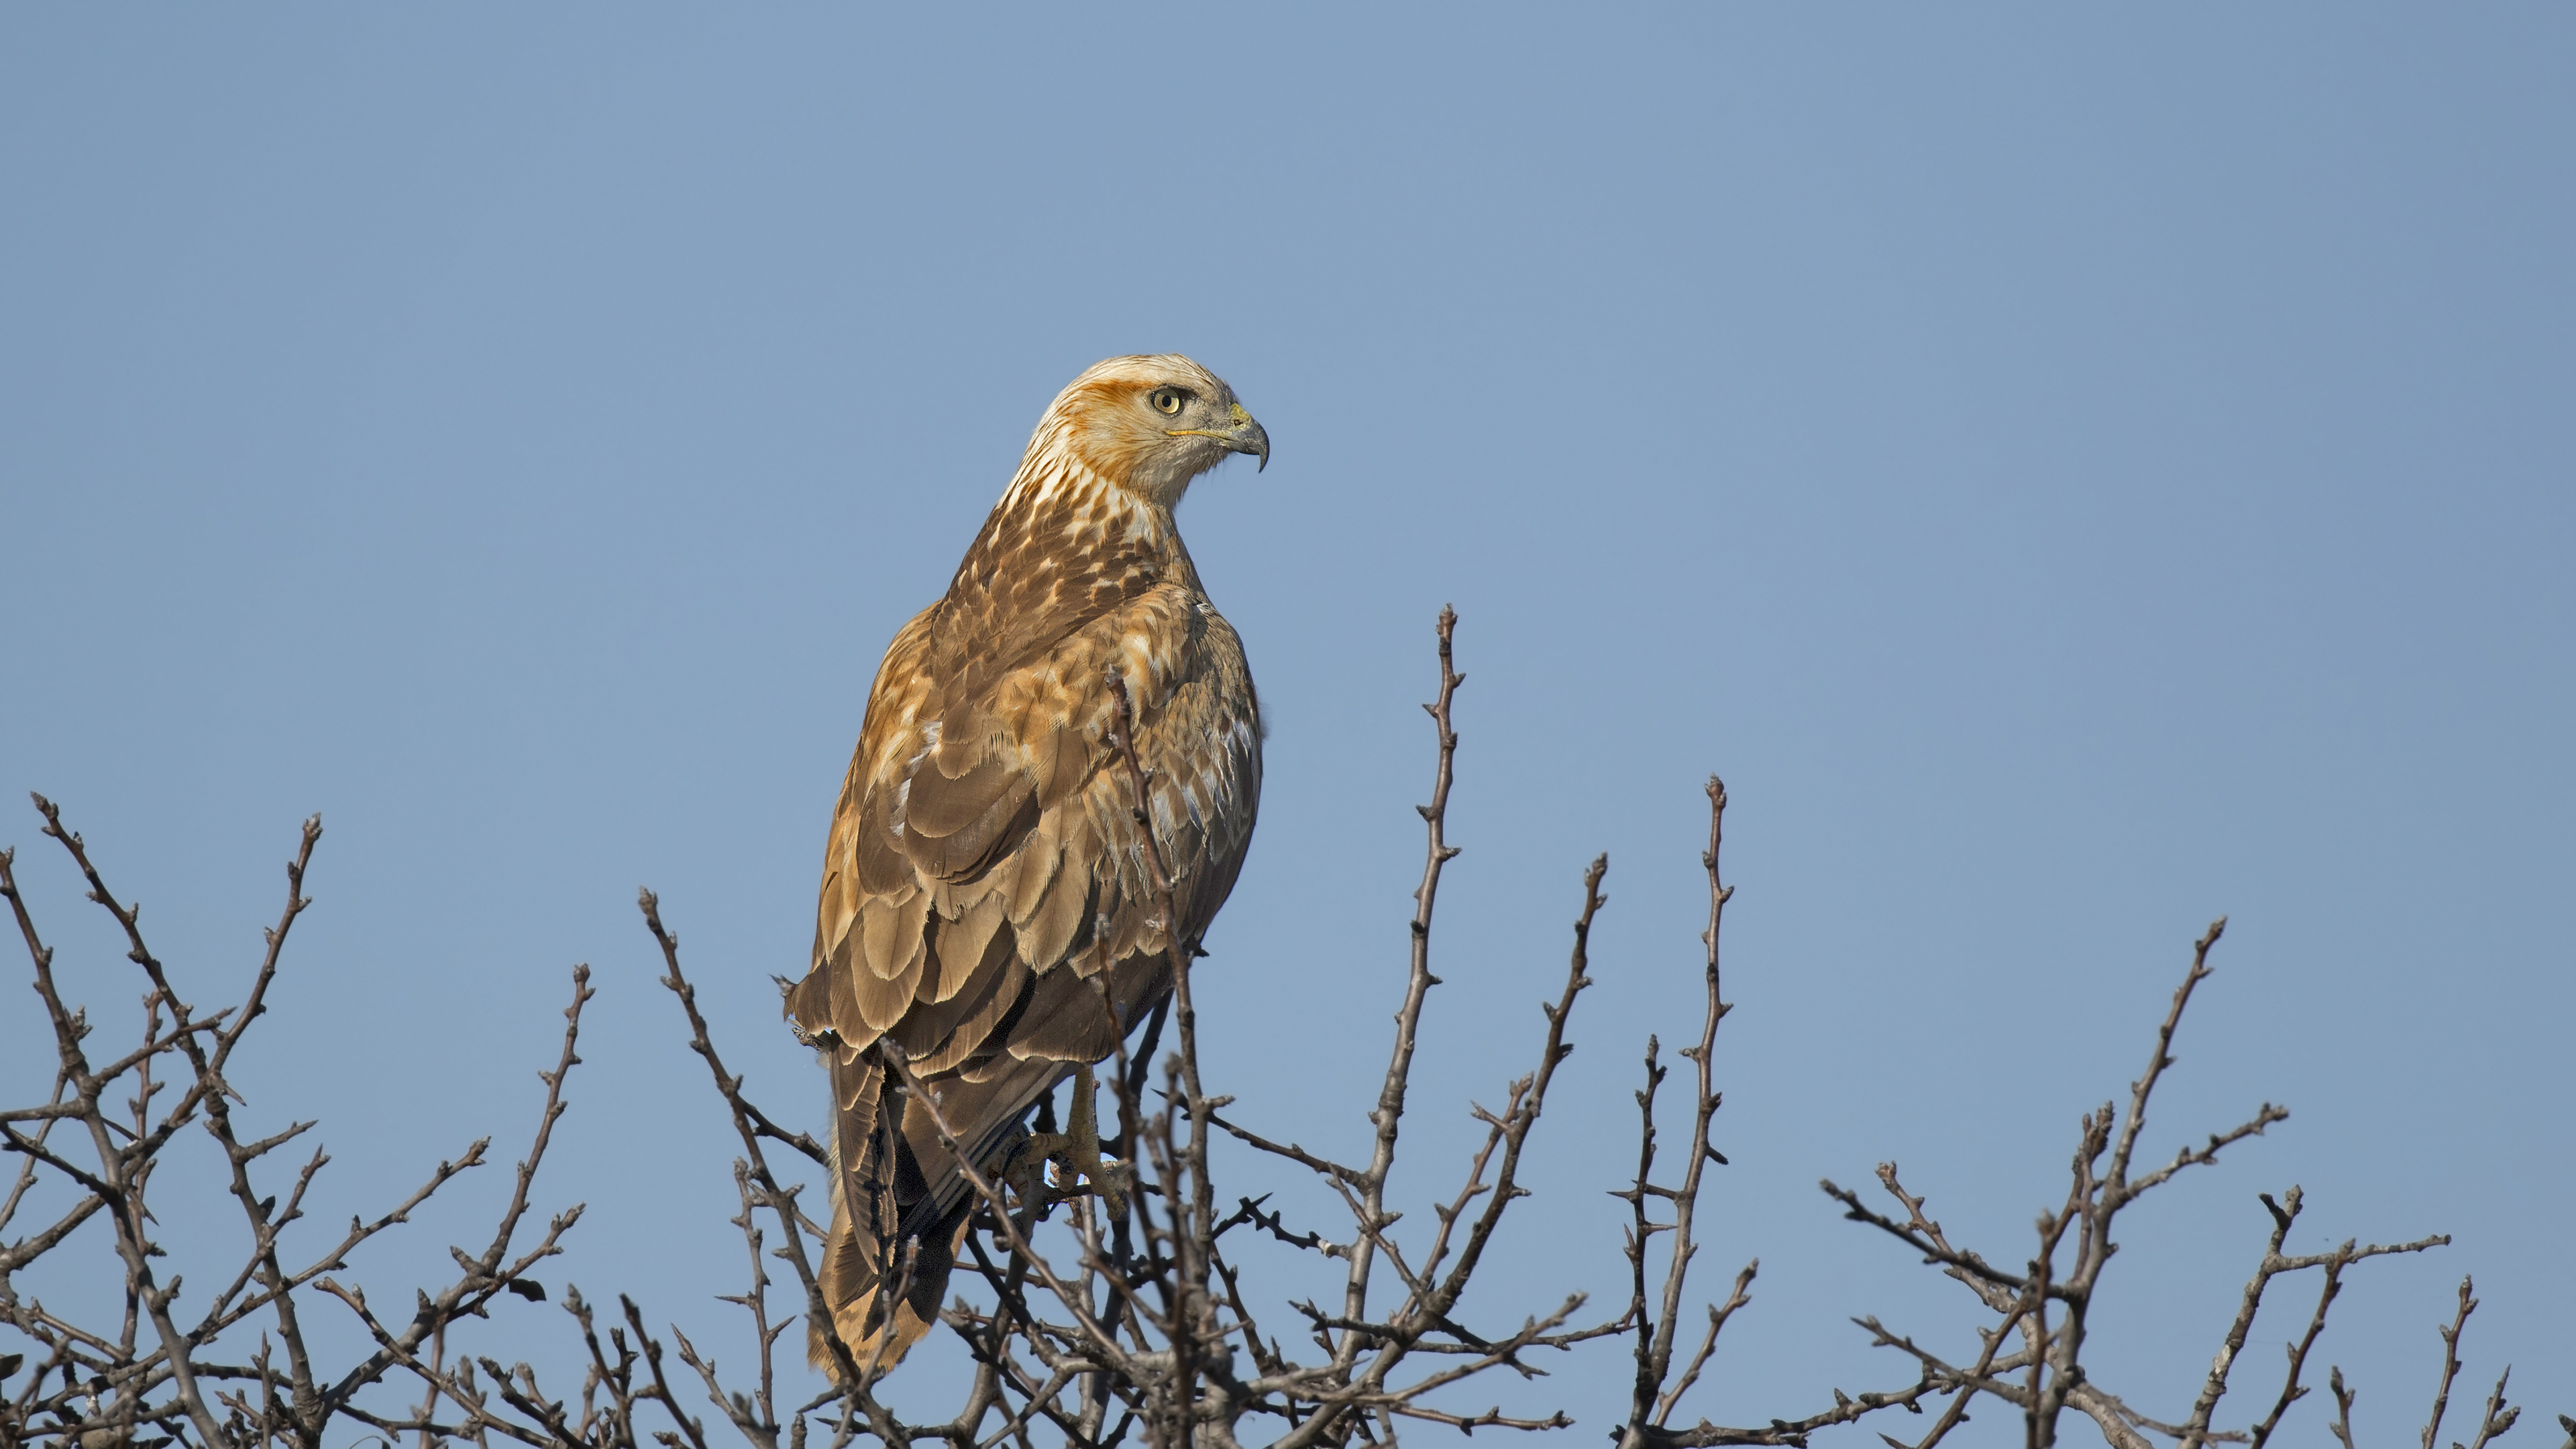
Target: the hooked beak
(1245, 436)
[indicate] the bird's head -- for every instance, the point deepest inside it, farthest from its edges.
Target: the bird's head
(1150, 424)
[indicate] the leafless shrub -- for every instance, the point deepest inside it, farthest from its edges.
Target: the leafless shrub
(1111, 1309)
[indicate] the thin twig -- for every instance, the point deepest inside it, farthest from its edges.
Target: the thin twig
(2450, 1361)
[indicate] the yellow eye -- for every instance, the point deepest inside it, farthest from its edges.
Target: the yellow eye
(1167, 400)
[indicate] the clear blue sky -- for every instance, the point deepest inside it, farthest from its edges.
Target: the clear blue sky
(2075, 472)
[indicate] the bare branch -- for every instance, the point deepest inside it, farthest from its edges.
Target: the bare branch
(2498, 1415)
(2116, 1187)
(1145, 1326)
(2291, 1389)
(2450, 1362)
(2343, 1398)
(1389, 1113)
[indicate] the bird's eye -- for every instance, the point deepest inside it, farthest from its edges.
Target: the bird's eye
(1167, 400)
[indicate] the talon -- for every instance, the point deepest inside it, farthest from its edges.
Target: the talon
(1027, 1172)
(1074, 1155)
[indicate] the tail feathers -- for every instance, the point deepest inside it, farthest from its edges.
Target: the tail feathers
(882, 1215)
(860, 1298)
(898, 1192)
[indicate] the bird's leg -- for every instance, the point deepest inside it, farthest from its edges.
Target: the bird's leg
(1108, 1177)
(1076, 1152)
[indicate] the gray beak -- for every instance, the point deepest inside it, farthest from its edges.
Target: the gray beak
(1241, 435)
(1247, 437)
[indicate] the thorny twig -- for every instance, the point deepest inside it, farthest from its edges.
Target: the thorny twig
(108, 1383)
(1142, 1322)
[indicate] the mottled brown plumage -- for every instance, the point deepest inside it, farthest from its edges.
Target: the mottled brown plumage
(985, 900)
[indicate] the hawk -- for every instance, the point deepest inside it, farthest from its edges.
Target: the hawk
(986, 902)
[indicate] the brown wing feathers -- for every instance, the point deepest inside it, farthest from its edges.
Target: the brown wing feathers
(983, 868)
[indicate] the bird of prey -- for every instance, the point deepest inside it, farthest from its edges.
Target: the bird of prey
(986, 903)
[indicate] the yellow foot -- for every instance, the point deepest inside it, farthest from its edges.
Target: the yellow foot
(1075, 1153)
